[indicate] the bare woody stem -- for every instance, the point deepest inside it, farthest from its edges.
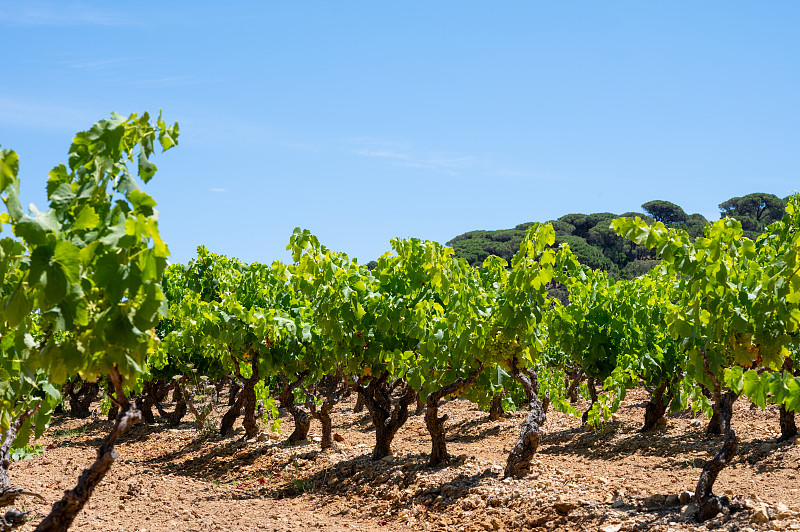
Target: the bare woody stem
(64, 511)
(8, 495)
(435, 423)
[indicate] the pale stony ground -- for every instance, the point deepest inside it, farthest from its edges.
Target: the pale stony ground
(611, 480)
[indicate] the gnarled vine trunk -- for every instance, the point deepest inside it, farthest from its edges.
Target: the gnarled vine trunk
(723, 412)
(178, 395)
(572, 387)
(332, 387)
(519, 459)
(302, 421)
(788, 425)
(656, 408)
(245, 399)
(359, 406)
(496, 408)
(8, 495)
(387, 420)
(435, 423)
(249, 394)
(148, 399)
(65, 510)
(709, 504)
(233, 391)
(81, 400)
(229, 418)
(113, 412)
(590, 383)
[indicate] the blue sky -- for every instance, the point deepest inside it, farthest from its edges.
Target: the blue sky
(363, 121)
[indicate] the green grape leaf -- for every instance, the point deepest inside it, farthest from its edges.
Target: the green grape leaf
(52, 391)
(87, 218)
(9, 167)
(755, 387)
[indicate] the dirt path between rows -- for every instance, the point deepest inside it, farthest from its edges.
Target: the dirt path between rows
(179, 479)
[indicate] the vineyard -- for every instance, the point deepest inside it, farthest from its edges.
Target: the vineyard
(421, 391)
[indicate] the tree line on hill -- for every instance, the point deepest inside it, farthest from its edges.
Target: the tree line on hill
(596, 245)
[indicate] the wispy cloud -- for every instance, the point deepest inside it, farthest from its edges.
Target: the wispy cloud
(405, 154)
(303, 146)
(27, 114)
(516, 173)
(218, 190)
(94, 65)
(58, 14)
(118, 70)
(174, 81)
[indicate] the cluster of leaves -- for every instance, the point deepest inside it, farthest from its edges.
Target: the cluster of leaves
(80, 281)
(735, 311)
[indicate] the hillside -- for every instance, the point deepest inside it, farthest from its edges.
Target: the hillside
(597, 246)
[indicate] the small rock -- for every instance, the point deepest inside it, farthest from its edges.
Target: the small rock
(388, 458)
(494, 502)
(338, 437)
(262, 437)
(689, 512)
(761, 515)
(564, 507)
(316, 439)
(619, 503)
(672, 500)
(783, 511)
(611, 528)
(655, 500)
(685, 497)
(695, 423)
(750, 504)
(766, 448)
(133, 490)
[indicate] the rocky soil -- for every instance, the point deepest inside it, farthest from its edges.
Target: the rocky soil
(615, 479)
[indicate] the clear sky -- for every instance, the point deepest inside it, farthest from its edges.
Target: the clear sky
(363, 121)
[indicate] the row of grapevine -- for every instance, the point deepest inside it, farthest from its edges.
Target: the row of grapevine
(423, 326)
(87, 293)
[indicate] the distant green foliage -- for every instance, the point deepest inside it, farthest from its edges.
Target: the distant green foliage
(765, 208)
(754, 211)
(596, 245)
(665, 212)
(475, 246)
